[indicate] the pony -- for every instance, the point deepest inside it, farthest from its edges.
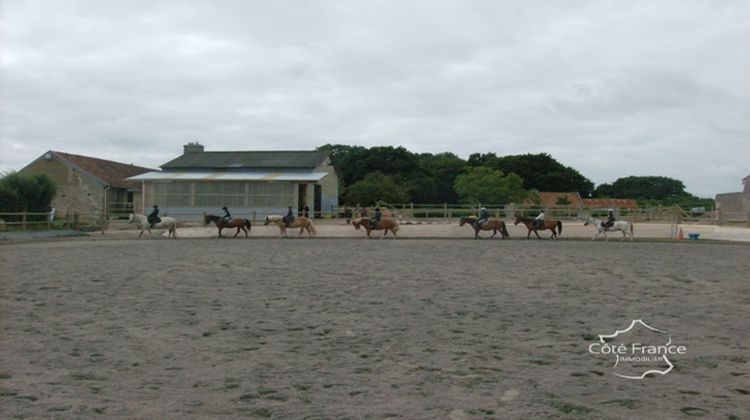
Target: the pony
(301, 222)
(142, 223)
(386, 224)
(494, 225)
(623, 226)
(546, 225)
(243, 224)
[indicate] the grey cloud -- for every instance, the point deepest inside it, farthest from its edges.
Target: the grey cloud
(611, 88)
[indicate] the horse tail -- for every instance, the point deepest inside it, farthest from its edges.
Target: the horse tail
(504, 230)
(312, 226)
(395, 227)
(559, 227)
(249, 224)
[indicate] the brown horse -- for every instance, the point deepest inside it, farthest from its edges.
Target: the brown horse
(243, 224)
(491, 224)
(385, 224)
(301, 222)
(548, 224)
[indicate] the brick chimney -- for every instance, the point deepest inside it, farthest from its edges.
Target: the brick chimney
(192, 147)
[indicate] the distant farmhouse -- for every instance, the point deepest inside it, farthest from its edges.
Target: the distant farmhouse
(574, 200)
(260, 182)
(736, 202)
(88, 185)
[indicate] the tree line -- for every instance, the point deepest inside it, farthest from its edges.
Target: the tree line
(396, 175)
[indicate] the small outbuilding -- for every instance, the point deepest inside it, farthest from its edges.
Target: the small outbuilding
(88, 185)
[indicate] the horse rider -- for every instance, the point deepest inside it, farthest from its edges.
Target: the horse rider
(153, 217)
(539, 220)
(227, 217)
(376, 217)
(610, 220)
(484, 215)
(289, 218)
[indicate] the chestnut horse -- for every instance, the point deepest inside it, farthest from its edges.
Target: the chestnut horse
(385, 224)
(491, 224)
(243, 224)
(301, 222)
(546, 225)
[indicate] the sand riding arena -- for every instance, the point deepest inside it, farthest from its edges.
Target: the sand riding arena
(205, 328)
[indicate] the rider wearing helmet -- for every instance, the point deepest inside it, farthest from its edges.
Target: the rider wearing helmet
(153, 217)
(610, 220)
(376, 217)
(484, 215)
(227, 217)
(289, 218)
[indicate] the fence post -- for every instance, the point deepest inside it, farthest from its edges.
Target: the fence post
(23, 220)
(445, 210)
(720, 213)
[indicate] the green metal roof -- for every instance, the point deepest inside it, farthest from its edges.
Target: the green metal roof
(247, 160)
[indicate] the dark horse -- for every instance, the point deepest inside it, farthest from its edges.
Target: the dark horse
(491, 224)
(243, 224)
(548, 224)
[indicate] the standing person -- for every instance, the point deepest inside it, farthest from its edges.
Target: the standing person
(52, 215)
(227, 217)
(289, 218)
(153, 217)
(305, 210)
(539, 220)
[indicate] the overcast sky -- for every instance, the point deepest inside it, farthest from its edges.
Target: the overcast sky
(612, 88)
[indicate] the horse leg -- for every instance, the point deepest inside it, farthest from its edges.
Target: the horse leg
(528, 234)
(238, 232)
(536, 232)
(494, 232)
(141, 235)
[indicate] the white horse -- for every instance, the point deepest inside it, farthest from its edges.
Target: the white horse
(166, 223)
(623, 226)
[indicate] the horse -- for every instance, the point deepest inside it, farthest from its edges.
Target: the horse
(386, 224)
(623, 226)
(547, 224)
(494, 225)
(142, 223)
(243, 224)
(302, 222)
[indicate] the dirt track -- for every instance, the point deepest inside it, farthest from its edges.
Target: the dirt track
(354, 328)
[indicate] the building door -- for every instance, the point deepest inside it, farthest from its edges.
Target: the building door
(301, 198)
(318, 194)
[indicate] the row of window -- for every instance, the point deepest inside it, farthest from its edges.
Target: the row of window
(218, 194)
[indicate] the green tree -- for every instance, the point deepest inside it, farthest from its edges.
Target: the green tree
(644, 188)
(32, 193)
(539, 171)
(376, 187)
(443, 168)
(486, 185)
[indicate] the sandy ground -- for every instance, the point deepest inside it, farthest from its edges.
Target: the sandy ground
(366, 329)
